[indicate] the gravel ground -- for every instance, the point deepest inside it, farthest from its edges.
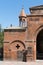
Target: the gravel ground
(37, 62)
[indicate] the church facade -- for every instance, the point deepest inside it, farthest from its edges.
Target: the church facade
(25, 43)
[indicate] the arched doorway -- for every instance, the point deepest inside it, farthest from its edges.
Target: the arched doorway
(18, 49)
(39, 45)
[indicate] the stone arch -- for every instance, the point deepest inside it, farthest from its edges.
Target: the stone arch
(38, 41)
(17, 53)
(37, 31)
(19, 41)
(17, 45)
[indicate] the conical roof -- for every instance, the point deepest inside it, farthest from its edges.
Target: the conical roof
(22, 13)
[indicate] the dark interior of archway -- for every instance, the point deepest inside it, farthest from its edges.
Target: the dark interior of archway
(39, 45)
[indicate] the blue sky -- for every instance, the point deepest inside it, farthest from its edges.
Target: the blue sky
(10, 10)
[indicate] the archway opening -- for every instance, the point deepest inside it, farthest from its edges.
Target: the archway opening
(39, 45)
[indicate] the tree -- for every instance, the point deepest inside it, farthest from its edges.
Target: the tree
(1, 36)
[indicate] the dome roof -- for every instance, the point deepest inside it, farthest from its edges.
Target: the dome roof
(22, 13)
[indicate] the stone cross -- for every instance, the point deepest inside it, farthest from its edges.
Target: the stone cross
(17, 46)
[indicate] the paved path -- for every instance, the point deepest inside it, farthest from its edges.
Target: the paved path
(39, 62)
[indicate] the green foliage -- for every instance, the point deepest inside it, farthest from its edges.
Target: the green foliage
(1, 36)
